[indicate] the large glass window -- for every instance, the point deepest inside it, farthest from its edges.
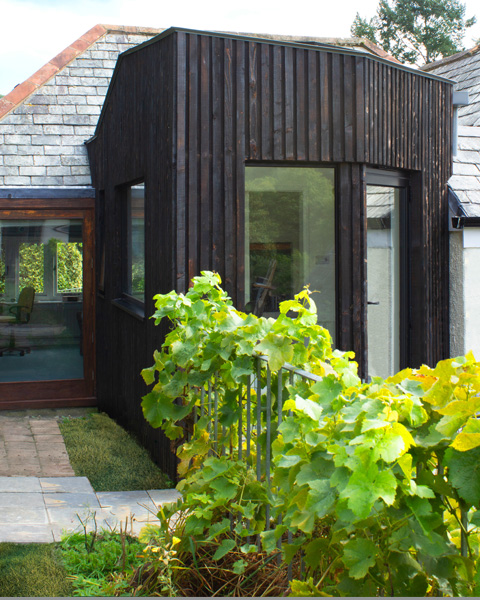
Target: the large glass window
(135, 267)
(290, 238)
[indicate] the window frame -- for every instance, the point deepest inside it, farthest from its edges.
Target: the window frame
(126, 300)
(400, 181)
(333, 168)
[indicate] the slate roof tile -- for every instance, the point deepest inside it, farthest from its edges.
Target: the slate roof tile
(79, 47)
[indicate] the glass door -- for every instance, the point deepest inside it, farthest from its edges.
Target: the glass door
(383, 280)
(41, 300)
(46, 307)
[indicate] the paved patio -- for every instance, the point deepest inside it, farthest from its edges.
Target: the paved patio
(40, 497)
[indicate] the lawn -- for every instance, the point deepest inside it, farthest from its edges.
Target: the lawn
(32, 570)
(112, 460)
(110, 457)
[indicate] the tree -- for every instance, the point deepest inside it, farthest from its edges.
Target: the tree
(416, 31)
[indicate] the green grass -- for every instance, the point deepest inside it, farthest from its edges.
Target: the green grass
(112, 459)
(32, 570)
(100, 565)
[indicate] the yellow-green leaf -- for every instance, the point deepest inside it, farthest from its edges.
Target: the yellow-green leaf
(466, 441)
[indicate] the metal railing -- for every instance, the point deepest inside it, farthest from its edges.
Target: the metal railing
(258, 419)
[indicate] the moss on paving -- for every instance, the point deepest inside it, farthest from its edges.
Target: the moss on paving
(29, 570)
(111, 458)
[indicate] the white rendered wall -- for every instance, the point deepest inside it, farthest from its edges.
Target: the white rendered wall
(471, 286)
(457, 298)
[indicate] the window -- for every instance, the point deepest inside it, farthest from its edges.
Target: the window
(383, 280)
(46, 255)
(290, 238)
(387, 282)
(135, 242)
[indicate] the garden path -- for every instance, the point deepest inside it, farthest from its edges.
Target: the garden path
(40, 497)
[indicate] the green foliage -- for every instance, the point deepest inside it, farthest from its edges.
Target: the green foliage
(69, 266)
(377, 483)
(417, 32)
(32, 257)
(29, 570)
(98, 448)
(100, 565)
(31, 266)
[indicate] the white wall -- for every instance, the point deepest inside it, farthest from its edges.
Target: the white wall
(471, 284)
(457, 299)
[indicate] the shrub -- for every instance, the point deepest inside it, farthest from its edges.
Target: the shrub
(377, 483)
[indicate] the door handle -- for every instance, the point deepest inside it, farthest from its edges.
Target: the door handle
(374, 303)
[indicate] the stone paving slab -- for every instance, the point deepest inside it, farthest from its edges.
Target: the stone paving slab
(20, 484)
(72, 499)
(39, 534)
(43, 509)
(19, 515)
(65, 484)
(25, 500)
(116, 499)
(164, 496)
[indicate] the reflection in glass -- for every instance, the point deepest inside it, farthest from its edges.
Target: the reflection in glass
(289, 238)
(383, 280)
(136, 242)
(41, 300)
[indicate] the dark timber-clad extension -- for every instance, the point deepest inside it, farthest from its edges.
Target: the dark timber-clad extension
(188, 111)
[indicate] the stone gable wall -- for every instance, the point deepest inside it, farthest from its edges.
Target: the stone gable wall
(42, 140)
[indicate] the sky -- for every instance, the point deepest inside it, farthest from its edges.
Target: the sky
(34, 31)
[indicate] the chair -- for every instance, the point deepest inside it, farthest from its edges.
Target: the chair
(20, 314)
(264, 287)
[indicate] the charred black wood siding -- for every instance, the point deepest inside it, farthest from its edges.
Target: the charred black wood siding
(135, 143)
(187, 113)
(296, 105)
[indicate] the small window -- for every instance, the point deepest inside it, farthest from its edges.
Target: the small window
(135, 242)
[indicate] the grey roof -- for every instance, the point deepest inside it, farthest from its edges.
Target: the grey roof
(465, 181)
(380, 202)
(464, 69)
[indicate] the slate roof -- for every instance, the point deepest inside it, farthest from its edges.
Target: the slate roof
(379, 202)
(464, 69)
(21, 92)
(45, 120)
(465, 181)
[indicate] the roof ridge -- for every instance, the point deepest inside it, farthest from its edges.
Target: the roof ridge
(21, 92)
(330, 41)
(451, 58)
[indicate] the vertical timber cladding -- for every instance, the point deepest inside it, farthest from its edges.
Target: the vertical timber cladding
(242, 100)
(187, 111)
(134, 142)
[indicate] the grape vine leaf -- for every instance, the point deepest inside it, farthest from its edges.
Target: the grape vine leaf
(358, 556)
(464, 473)
(278, 349)
(225, 547)
(366, 486)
